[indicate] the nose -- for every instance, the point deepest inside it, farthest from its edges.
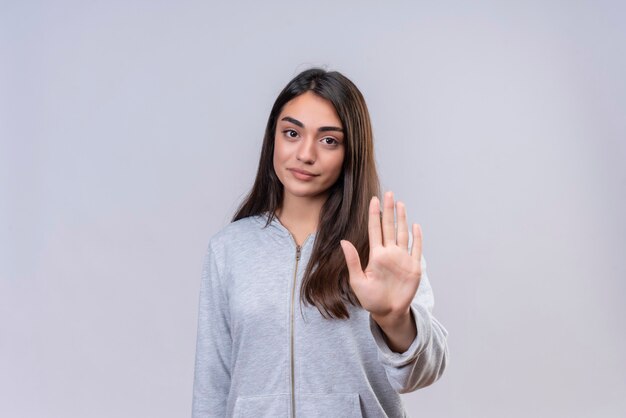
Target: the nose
(306, 151)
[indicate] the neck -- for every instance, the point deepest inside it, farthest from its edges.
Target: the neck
(300, 215)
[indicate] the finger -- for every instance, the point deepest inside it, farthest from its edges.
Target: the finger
(403, 229)
(375, 234)
(352, 260)
(416, 247)
(389, 229)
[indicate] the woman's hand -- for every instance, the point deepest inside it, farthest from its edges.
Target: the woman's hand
(389, 282)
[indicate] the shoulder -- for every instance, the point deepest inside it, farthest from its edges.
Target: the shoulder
(238, 233)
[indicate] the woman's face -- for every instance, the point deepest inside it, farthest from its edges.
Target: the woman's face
(309, 137)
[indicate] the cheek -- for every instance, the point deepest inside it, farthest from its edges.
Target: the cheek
(340, 159)
(279, 150)
(337, 165)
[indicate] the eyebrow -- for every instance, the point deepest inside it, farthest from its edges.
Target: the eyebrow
(320, 129)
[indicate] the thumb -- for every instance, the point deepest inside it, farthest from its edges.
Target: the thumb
(352, 259)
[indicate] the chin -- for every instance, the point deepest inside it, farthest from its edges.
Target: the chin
(304, 191)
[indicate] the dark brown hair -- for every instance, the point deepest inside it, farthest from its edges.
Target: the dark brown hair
(345, 212)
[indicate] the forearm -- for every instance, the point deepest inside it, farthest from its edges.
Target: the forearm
(417, 357)
(420, 364)
(399, 330)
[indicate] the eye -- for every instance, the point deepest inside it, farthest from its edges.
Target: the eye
(290, 133)
(331, 139)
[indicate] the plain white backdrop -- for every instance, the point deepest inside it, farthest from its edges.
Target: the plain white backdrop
(131, 130)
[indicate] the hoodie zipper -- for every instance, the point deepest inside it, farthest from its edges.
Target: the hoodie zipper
(293, 292)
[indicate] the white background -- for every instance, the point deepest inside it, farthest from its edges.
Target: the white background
(131, 130)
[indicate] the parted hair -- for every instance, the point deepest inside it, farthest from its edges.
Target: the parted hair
(344, 215)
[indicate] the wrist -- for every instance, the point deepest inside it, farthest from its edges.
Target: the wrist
(393, 320)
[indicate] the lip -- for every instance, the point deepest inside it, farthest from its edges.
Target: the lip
(304, 172)
(301, 175)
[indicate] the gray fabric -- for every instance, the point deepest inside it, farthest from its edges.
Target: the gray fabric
(342, 368)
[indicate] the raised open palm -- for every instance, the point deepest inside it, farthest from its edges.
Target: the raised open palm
(389, 282)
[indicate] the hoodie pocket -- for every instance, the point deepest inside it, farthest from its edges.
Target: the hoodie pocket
(262, 406)
(308, 405)
(324, 405)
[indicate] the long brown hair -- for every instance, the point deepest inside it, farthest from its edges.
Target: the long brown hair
(344, 215)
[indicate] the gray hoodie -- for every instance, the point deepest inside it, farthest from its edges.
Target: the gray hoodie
(260, 353)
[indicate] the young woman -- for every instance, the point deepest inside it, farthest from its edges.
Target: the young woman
(312, 233)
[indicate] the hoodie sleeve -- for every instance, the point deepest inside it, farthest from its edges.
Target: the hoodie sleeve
(213, 344)
(425, 360)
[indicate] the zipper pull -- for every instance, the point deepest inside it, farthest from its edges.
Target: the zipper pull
(298, 252)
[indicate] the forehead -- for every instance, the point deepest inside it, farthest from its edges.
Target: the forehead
(311, 108)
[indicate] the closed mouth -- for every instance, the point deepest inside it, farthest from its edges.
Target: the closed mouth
(302, 172)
